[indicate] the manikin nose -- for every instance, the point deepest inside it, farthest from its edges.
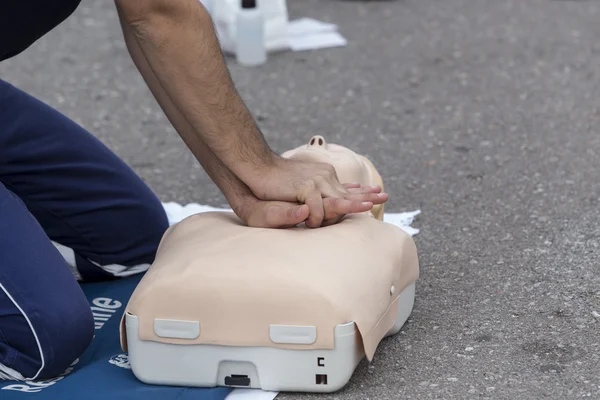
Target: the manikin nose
(317, 141)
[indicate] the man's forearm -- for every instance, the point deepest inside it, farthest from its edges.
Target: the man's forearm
(178, 40)
(232, 187)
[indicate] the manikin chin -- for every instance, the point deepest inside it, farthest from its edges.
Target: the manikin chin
(279, 309)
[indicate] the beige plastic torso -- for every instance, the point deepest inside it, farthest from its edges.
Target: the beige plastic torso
(237, 281)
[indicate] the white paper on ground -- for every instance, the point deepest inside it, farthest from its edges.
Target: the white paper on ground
(403, 220)
(316, 41)
(303, 26)
(310, 34)
(176, 212)
(251, 394)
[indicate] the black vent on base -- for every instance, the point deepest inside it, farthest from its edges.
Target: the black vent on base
(248, 3)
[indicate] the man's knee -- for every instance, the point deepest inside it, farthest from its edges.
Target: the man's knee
(45, 339)
(155, 221)
(128, 232)
(70, 329)
(142, 231)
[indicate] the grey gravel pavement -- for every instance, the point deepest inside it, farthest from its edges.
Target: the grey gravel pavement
(483, 114)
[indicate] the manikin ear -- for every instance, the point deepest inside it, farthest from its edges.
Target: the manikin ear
(374, 179)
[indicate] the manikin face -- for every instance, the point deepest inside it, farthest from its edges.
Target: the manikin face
(349, 166)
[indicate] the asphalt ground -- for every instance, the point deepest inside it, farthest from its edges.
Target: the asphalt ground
(483, 114)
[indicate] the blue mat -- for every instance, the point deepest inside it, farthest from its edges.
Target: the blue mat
(102, 372)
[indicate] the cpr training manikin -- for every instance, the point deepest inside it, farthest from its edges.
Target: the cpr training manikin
(291, 309)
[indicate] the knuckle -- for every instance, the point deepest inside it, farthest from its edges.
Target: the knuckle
(310, 185)
(271, 218)
(334, 203)
(317, 214)
(242, 210)
(290, 214)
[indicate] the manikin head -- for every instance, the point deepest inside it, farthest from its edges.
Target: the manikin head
(349, 166)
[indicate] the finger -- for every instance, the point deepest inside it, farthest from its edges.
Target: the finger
(335, 207)
(329, 184)
(273, 214)
(375, 198)
(365, 189)
(316, 212)
(335, 180)
(352, 185)
(283, 215)
(332, 190)
(334, 210)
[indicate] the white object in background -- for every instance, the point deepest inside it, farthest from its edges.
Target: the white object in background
(275, 20)
(250, 48)
(310, 34)
(317, 41)
(208, 5)
(176, 212)
(403, 220)
(310, 26)
(280, 34)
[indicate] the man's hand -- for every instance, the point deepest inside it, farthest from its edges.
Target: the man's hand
(359, 199)
(317, 186)
(281, 214)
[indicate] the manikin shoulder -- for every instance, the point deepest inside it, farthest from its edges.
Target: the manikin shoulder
(214, 227)
(228, 221)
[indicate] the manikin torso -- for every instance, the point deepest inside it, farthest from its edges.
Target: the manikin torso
(236, 280)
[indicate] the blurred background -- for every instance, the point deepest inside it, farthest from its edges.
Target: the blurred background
(483, 114)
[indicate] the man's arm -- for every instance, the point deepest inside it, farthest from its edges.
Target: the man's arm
(238, 195)
(178, 40)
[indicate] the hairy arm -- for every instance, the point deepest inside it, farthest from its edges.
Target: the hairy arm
(175, 48)
(238, 195)
(177, 40)
(227, 182)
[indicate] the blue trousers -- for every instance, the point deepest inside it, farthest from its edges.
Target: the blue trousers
(70, 210)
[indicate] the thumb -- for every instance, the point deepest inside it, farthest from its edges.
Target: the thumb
(277, 214)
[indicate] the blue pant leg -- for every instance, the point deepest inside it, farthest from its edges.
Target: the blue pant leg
(82, 194)
(45, 320)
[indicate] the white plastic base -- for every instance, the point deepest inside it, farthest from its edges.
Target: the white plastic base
(254, 367)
